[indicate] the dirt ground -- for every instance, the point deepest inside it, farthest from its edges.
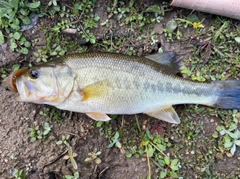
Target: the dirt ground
(44, 158)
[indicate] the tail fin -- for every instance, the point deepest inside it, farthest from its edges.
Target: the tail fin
(229, 94)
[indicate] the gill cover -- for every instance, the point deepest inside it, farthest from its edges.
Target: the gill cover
(45, 84)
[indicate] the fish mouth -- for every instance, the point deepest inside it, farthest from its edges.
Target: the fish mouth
(12, 78)
(23, 89)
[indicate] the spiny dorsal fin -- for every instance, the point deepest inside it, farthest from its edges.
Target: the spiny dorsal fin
(168, 60)
(167, 114)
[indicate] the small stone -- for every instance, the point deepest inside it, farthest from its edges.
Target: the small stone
(70, 31)
(143, 159)
(211, 120)
(144, 127)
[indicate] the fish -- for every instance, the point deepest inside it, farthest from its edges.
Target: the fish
(100, 83)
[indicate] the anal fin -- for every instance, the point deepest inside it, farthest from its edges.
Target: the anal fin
(167, 114)
(98, 116)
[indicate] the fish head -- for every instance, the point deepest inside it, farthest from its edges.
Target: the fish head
(42, 84)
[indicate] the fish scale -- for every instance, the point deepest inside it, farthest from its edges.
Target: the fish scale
(155, 88)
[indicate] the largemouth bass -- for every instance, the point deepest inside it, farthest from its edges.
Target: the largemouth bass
(104, 83)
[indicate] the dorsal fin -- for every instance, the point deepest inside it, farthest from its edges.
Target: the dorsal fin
(168, 59)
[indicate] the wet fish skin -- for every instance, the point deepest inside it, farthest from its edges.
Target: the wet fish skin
(104, 83)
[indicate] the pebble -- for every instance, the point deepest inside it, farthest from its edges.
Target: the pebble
(143, 159)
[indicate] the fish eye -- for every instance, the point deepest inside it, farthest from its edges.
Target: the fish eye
(34, 73)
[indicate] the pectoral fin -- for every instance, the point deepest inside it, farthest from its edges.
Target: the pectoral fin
(167, 114)
(95, 90)
(98, 116)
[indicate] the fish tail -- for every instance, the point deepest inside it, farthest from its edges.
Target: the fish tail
(229, 94)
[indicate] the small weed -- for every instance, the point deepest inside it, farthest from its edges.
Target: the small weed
(12, 14)
(216, 56)
(86, 21)
(13, 157)
(93, 157)
(105, 128)
(64, 140)
(71, 156)
(154, 146)
(115, 141)
(65, 24)
(155, 142)
(19, 43)
(173, 26)
(229, 136)
(76, 175)
(36, 133)
(29, 167)
(170, 167)
(131, 16)
(4, 71)
(158, 10)
(15, 67)
(56, 44)
(52, 8)
(53, 113)
(132, 151)
(41, 55)
(19, 174)
(52, 2)
(192, 21)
